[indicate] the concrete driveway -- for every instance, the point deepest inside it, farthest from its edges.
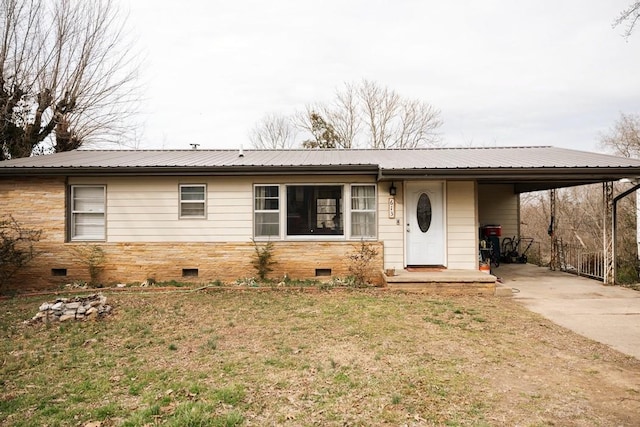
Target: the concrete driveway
(608, 314)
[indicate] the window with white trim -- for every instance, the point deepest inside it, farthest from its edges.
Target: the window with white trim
(314, 210)
(266, 211)
(87, 212)
(193, 199)
(363, 211)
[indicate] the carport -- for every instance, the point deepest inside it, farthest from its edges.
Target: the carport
(607, 314)
(499, 194)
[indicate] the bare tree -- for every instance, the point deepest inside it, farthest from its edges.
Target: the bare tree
(578, 218)
(579, 222)
(17, 247)
(380, 106)
(580, 214)
(274, 132)
(417, 125)
(334, 125)
(66, 76)
(630, 17)
(343, 115)
(393, 121)
(624, 137)
(366, 115)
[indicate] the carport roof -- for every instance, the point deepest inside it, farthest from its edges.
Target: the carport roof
(528, 168)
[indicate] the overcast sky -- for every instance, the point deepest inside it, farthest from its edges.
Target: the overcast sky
(503, 73)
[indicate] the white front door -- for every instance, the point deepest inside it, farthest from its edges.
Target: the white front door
(425, 223)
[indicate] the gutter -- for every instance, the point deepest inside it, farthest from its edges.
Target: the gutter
(589, 174)
(187, 171)
(513, 175)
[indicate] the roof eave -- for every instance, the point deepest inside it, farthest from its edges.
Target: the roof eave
(187, 170)
(606, 173)
(524, 180)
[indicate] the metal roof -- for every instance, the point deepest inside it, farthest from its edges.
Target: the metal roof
(524, 165)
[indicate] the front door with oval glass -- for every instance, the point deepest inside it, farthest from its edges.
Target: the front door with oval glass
(425, 224)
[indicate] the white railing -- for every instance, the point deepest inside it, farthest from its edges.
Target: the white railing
(577, 260)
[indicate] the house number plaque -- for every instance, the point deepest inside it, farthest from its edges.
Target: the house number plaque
(392, 207)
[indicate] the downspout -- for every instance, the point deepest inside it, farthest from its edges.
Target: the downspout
(614, 224)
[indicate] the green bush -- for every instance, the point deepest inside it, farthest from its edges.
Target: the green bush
(263, 259)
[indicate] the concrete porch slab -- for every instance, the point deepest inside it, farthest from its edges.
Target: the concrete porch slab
(467, 282)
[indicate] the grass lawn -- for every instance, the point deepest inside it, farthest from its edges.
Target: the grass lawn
(240, 358)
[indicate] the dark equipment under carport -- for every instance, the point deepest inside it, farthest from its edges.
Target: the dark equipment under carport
(510, 248)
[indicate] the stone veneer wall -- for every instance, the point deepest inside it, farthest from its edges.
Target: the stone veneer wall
(136, 262)
(40, 203)
(36, 203)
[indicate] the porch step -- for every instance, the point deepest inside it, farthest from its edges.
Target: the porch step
(444, 282)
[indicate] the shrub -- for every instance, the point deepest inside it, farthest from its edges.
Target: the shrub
(263, 261)
(360, 264)
(17, 247)
(93, 257)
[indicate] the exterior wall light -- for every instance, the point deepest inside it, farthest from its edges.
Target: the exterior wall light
(392, 190)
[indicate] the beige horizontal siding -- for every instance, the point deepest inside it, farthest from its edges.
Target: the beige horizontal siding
(391, 230)
(462, 242)
(146, 209)
(462, 221)
(497, 204)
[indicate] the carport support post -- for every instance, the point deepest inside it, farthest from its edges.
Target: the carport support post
(608, 225)
(553, 262)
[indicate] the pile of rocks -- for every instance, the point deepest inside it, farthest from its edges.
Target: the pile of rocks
(77, 308)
